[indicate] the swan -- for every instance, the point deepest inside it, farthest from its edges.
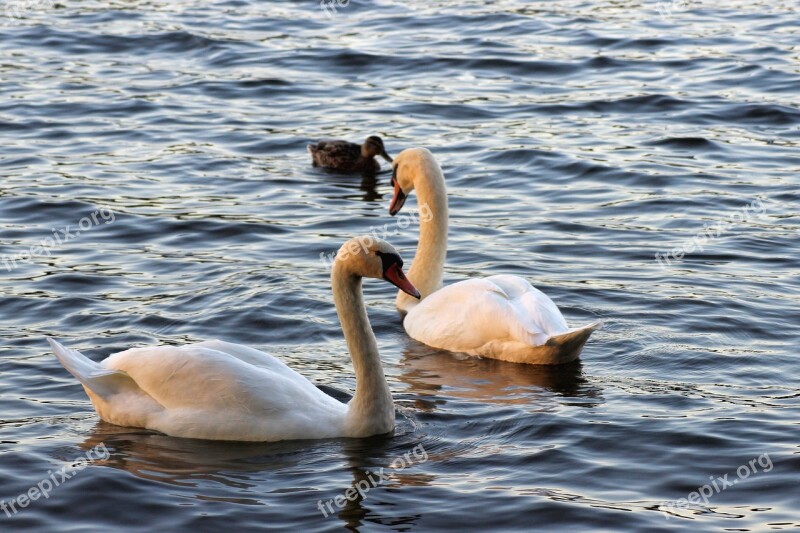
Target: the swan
(499, 317)
(222, 391)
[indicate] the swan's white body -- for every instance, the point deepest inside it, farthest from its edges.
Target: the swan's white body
(223, 391)
(210, 390)
(500, 317)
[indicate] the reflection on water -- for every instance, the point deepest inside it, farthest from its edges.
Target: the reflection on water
(430, 373)
(154, 456)
(375, 464)
(367, 184)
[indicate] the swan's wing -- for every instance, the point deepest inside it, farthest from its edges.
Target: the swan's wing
(536, 312)
(269, 362)
(467, 315)
(206, 374)
(251, 356)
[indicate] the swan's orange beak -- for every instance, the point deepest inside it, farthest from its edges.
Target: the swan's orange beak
(399, 198)
(395, 275)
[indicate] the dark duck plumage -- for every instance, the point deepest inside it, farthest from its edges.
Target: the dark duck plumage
(349, 157)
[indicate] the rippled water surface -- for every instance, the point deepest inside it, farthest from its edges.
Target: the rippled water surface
(578, 140)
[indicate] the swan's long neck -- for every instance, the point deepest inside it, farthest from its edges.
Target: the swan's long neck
(371, 411)
(427, 268)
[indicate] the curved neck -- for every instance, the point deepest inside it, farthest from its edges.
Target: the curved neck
(427, 268)
(371, 411)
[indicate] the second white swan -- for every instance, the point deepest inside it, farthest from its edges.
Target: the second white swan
(500, 317)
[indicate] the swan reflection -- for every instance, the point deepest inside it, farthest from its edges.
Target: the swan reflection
(434, 373)
(310, 473)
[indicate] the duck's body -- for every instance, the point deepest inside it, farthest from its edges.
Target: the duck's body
(223, 391)
(344, 156)
(500, 317)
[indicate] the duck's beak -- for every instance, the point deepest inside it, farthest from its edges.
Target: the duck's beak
(395, 275)
(399, 198)
(386, 157)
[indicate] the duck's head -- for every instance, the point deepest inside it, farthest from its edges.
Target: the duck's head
(370, 257)
(406, 168)
(373, 147)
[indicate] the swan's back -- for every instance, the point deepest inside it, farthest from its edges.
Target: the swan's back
(502, 317)
(206, 374)
(217, 390)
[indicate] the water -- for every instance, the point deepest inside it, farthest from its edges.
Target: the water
(578, 140)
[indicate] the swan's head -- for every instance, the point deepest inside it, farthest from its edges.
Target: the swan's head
(369, 257)
(407, 167)
(373, 147)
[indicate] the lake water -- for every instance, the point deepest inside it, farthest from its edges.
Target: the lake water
(578, 139)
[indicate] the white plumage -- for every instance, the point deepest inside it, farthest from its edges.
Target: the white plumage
(210, 390)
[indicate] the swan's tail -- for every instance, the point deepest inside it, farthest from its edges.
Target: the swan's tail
(570, 344)
(100, 380)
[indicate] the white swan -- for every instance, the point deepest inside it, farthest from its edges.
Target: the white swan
(501, 317)
(223, 391)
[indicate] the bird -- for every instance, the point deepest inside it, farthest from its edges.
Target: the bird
(345, 156)
(219, 390)
(501, 317)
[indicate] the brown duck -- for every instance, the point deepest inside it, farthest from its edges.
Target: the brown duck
(349, 157)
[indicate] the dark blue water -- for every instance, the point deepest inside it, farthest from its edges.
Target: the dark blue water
(578, 139)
